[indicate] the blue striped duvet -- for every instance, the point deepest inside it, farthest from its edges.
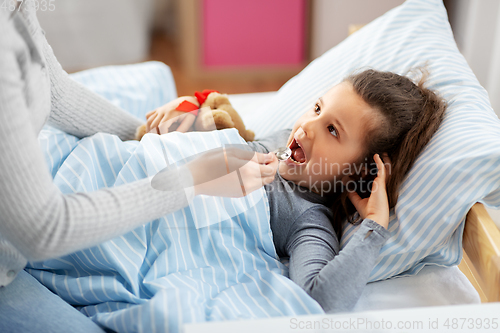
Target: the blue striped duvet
(213, 260)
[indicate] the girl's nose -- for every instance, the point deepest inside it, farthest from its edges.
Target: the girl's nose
(308, 127)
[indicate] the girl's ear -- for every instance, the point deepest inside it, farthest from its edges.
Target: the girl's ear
(385, 158)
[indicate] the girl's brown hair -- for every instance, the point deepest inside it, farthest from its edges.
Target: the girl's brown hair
(408, 116)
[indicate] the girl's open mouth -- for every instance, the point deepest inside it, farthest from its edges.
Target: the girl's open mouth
(298, 156)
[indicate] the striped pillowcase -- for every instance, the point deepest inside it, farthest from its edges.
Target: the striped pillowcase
(461, 164)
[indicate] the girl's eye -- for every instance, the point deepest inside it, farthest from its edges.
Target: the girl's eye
(332, 130)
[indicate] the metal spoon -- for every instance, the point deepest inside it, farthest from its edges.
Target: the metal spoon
(283, 153)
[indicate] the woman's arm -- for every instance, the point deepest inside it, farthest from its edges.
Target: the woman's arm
(35, 216)
(335, 280)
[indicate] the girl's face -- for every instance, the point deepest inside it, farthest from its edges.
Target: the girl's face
(327, 139)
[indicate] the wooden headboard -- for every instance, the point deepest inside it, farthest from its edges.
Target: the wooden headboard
(481, 260)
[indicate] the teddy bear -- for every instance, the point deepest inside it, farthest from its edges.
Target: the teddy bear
(213, 105)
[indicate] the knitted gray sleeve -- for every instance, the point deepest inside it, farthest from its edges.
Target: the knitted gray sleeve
(36, 218)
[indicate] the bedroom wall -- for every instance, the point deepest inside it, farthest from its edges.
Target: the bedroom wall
(91, 33)
(330, 20)
(476, 26)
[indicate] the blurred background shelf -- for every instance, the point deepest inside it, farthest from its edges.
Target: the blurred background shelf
(246, 39)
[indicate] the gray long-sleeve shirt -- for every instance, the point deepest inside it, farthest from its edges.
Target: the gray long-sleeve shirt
(36, 220)
(301, 222)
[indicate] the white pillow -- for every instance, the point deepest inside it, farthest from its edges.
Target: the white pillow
(461, 164)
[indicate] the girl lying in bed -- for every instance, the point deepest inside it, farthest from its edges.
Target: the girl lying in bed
(336, 146)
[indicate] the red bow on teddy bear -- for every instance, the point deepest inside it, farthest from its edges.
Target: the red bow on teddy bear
(186, 106)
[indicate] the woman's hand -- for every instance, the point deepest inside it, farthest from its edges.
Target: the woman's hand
(232, 172)
(167, 118)
(375, 207)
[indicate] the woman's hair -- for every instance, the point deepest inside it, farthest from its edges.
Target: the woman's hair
(408, 116)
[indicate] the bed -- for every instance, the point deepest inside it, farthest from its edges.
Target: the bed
(215, 260)
(104, 284)
(481, 262)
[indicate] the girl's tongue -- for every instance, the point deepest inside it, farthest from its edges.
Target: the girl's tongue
(298, 155)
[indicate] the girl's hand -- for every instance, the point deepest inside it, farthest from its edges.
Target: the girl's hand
(167, 116)
(375, 207)
(232, 172)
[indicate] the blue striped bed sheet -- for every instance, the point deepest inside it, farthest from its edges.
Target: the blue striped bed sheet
(213, 260)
